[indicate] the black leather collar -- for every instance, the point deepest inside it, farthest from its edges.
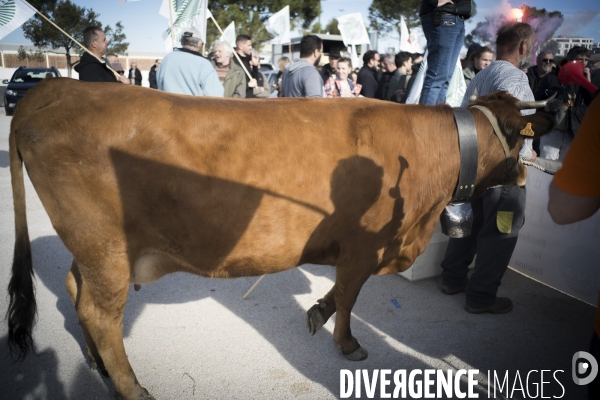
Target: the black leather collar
(469, 155)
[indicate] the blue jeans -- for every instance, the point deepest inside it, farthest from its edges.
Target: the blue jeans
(443, 45)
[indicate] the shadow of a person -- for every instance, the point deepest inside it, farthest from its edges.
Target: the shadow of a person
(343, 239)
(25, 379)
(4, 159)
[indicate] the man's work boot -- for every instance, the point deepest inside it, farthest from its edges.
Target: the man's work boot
(501, 305)
(450, 290)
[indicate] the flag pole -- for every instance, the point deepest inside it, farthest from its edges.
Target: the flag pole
(234, 52)
(290, 48)
(253, 287)
(171, 23)
(77, 43)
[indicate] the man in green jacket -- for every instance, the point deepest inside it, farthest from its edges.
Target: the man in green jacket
(230, 74)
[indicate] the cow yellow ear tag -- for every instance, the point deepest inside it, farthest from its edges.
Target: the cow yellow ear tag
(527, 131)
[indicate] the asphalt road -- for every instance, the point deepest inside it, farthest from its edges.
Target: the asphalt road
(194, 338)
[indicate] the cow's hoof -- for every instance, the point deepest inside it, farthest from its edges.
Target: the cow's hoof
(315, 319)
(146, 396)
(357, 355)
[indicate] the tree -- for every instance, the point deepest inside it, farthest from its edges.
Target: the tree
(69, 17)
(250, 16)
(331, 28)
(316, 28)
(117, 44)
(36, 56)
(385, 15)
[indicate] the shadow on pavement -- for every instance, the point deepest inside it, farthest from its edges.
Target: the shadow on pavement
(4, 159)
(428, 323)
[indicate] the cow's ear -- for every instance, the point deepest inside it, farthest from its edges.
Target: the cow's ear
(535, 125)
(516, 127)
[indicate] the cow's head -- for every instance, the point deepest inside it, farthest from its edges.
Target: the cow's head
(515, 128)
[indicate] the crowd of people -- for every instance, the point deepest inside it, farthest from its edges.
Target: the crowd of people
(237, 70)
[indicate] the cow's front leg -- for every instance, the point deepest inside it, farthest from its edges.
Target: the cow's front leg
(351, 274)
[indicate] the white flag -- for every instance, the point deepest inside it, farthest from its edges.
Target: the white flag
(13, 14)
(405, 44)
(417, 39)
(183, 15)
(168, 40)
(229, 34)
(415, 91)
(353, 30)
(279, 25)
(456, 87)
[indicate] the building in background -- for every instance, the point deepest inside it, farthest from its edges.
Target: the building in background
(567, 42)
(9, 60)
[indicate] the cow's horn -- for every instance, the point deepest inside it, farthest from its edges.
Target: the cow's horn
(524, 105)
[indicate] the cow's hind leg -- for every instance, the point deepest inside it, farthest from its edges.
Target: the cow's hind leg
(73, 284)
(100, 303)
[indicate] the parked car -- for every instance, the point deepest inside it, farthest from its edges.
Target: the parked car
(264, 66)
(271, 77)
(22, 80)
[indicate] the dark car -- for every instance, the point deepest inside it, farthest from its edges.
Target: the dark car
(22, 80)
(271, 77)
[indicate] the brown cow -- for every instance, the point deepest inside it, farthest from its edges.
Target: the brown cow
(157, 183)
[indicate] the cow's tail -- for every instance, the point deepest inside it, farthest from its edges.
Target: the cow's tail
(22, 306)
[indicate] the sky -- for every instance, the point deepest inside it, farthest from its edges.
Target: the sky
(144, 27)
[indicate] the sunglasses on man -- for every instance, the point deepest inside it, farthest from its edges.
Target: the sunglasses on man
(548, 60)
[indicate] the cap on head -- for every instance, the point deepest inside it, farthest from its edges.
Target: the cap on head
(191, 38)
(334, 53)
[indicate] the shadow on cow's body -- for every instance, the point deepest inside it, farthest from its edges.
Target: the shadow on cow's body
(152, 196)
(177, 220)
